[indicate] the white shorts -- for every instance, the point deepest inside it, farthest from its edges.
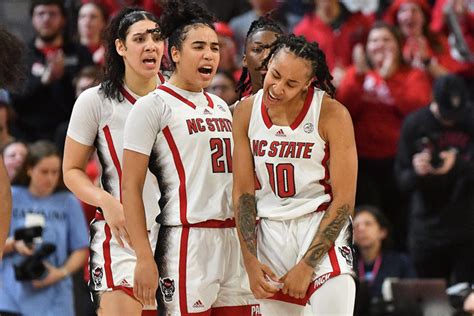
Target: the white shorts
(201, 269)
(282, 244)
(111, 267)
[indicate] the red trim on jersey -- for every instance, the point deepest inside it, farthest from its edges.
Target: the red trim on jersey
(162, 78)
(183, 254)
(214, 223)
(113, 154)
(186, 101)
(304, 110)
(183, 201)
(107, 258)
(127, 95)
(125, 289)
(99, 216)
(307, 103)
(149, 312)
(334, 263)
(325, 182)
(235, 310)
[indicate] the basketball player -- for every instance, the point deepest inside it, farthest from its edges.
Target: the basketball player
(299, 141)
(11, 52)
(134, 51)
(260, 36)
(184, 136)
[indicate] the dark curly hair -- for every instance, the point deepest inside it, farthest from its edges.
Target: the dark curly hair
(176, 20)
(309, 51)
(114, 69)
(11, 60)
(263, 23)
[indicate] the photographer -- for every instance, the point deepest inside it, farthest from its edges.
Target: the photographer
(435, 165)
(56, 216)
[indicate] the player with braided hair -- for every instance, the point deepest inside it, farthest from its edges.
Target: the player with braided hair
(184, 136)
(261, 34)
(299, 142)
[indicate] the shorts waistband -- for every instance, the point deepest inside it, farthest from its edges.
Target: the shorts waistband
(212, 223)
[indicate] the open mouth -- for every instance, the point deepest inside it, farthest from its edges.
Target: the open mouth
(206, 70)
(149, 61)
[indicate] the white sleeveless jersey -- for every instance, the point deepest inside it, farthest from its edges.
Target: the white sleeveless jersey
(291, 162)
(99, 122)
(188, 137)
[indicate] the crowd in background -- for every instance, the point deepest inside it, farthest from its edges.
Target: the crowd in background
(403, 68)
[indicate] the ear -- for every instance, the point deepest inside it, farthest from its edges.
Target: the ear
(120, 47)
(244, 61)
(383, 233)
(175, 54)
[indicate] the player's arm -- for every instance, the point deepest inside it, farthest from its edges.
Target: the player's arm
(141, 128)
(336, 128)
(244, 203)
(5, 206)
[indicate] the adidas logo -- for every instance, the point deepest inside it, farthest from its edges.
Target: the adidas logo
(124, 283)
(280, 133)
(206, 111)
(198, 304)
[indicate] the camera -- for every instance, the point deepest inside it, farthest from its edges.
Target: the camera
(32, 267)
(430, 142)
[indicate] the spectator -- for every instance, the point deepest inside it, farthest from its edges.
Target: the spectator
(374, 260)
(240, 24)
(14, 155)
(6, 116)
(435, 165)
(39, 201)
(91, 23)
(114, 6)
(223, 85)
(337, 31)
(379, 91)
(52, 61)
(227, 49)
(421, 47)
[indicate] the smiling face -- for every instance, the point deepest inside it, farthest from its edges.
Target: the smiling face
(287, 78)
(256, 50)
(380, 44)
(410, 19)
(142, 49)
(197, 59)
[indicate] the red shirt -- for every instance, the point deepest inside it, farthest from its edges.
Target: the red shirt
(378, 106)
(337, 44)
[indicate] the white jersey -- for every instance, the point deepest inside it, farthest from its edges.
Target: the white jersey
(291, 162)
(188, 137)
(99, 122)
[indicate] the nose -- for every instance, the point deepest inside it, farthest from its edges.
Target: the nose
(278, 88)
(150, 45)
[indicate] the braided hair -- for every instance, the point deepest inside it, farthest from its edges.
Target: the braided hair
(309, 51)
(176, 20)
(114, 70)
(263, 23)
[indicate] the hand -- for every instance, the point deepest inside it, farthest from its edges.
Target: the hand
(54, 275)
(449, 159)
(115, 218)
(145, 281)
(56, 62)
(297, 280)
(469, 303)
(259, 275)
(359, 59)
(388, 65)
(422, 163)
(20, 247)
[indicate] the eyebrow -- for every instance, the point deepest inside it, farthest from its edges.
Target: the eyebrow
(290, 80)
(204, 43)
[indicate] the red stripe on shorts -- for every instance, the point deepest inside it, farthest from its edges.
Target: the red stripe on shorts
(183, 254)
